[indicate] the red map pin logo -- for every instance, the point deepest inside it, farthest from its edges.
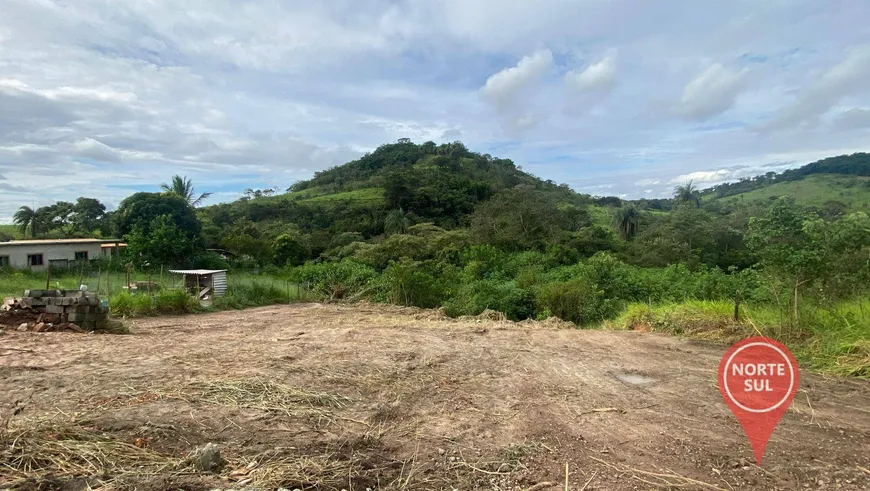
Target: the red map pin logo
(758, 378)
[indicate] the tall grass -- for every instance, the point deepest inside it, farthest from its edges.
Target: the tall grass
(830, 338)
(252, 292)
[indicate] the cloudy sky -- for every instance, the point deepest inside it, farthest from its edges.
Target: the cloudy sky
(102, 98)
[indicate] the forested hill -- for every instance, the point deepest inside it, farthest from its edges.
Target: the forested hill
(397, 185)
(857, 164)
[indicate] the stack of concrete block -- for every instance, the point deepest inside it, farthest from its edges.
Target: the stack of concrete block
(75, 306)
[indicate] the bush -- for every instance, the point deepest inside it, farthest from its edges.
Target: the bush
(174, 302)
(141, 304)
(406, 283)
(577, 301)
(334, 280)
(255, 293)
(209, 260)
(503, 296)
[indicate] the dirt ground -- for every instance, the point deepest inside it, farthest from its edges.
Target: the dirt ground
(363, 397)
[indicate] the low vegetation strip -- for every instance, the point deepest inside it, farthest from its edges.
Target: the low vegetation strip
(831, 339)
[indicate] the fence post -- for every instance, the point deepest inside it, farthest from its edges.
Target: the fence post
(48, 276)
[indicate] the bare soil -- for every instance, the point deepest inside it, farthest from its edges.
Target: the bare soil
(362, 397)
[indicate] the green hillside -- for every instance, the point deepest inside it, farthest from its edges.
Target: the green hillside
(816, 190)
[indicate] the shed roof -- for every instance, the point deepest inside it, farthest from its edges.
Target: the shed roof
(197, 271)
(57, 241)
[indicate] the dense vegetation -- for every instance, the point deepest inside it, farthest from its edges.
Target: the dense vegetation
(440, 226)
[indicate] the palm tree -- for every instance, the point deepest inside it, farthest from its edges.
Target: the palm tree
(626, 219)
(687, 193)
(396, 222)
(182, 186)
(25, 217)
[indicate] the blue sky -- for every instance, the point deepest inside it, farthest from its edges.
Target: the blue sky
(617, 97)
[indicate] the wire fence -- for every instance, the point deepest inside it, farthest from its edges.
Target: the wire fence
(112, 281)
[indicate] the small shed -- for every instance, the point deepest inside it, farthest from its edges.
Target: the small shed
(204, 283)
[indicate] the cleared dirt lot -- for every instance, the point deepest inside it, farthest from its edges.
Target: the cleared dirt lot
(369, 396)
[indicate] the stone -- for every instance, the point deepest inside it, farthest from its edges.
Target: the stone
(53, 309)
(22, 327)
(208, 458)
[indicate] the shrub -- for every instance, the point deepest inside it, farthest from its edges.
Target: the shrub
(251, 294)
(503, 296)
(577, 301)
(130, 305)
(174, 302)
(406, 283)
(334, 280)
(141, 304)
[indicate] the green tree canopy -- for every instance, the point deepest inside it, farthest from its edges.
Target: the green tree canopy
(141, 208)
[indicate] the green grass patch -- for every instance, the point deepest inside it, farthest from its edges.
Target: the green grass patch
(814, 190)
(366, 194)
(601, 215)
(832, 339)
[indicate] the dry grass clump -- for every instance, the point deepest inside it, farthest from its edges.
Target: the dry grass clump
(47, 452)
(264, 395)
(287, 468)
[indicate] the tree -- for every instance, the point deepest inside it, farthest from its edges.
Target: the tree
(687, 193)
(182, 186)
(160, 242)
(788, 243)
(289, 250)
(25, 218)
(626, 219)
(88, 215)
(141, 208)
(60, 216)
(161, 228)
(396, 222)
(518, 219)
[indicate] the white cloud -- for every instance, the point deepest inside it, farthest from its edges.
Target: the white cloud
(598, 77)
(504, 88)
(93, 149)
(588, 87)
(704, 176)
(711, 93)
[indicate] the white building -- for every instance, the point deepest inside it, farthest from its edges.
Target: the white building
(60, 253)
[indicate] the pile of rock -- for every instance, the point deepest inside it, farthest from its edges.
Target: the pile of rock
(40, 310)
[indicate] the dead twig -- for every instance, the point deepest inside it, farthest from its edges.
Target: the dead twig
(589, 481)
(664, 478)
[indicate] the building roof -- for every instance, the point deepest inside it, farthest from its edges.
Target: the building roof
(197, 271)
(57, 241)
